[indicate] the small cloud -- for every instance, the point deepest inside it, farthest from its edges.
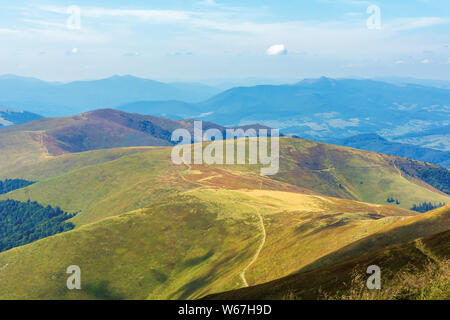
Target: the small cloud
(202, 115)
(72, 52)
(180, 53)
(209, 3)
(130, 54)
(277, 50)
(425, 61)
(399, 62)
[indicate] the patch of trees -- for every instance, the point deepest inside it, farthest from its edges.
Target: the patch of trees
(25, 222)
(426, 206)
(392, 200)
(435, 176)
(9, 185)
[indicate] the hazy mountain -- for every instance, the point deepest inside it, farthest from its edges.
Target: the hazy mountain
(171, 109)
(56, 99)
(424, 82)
(12, 117)
(328, 108)
(373, 142)
(436, 138)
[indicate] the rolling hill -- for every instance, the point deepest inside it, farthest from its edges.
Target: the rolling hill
(149, 229)
(186, 246)
(99, 129)
(177, 234)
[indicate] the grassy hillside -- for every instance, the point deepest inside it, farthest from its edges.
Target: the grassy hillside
(418, 269)
(188, 246)
(109, 182)
(350, 173)
(147, 228)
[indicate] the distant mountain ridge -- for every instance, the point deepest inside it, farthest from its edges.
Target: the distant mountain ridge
(329, 108)
(13, 117)
(317, 109)
(373, 142)
(64, 99)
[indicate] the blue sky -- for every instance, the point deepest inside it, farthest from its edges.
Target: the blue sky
(206, 40)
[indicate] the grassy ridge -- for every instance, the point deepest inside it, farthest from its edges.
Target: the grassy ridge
(150, 229)
(188, 246)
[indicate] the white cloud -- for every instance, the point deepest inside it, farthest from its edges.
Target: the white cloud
(399, 62)
(426, 61)
(209, 3)
(341, 124)
(277, 50)
(131, 54)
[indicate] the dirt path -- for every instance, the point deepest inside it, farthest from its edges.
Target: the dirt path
(255, 257)
(260, 227)
(189, 181)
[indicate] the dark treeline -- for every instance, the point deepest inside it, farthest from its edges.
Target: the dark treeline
(9, 185)
(24, 222)
(426, 206)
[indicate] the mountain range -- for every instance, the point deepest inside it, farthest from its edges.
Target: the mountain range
(63, 99)
(318, 109)
(329, 108)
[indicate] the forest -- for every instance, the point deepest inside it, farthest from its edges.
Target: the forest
(25, 222)
(9, 185)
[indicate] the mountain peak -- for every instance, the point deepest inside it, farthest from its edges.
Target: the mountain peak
(322, 81)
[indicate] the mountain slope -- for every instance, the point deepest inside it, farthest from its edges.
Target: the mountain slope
(346, 280)
(99, 129)
(149, 229)
(180, 247)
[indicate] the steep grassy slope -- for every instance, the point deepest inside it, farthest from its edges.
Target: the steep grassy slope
(414, 270)
(200, 242)
(151, 229)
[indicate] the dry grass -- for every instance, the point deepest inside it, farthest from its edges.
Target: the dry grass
(429, 283)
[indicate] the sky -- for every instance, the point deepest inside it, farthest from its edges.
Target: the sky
(218, 40)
